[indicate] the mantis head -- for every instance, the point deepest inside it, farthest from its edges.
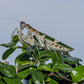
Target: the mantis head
(22, 25)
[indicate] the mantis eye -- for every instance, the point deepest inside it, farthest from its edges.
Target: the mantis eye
(22, 25)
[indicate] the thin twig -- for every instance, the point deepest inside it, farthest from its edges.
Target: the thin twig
(34, 58)
(52, 74)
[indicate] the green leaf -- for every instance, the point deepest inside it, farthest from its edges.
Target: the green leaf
(49, 65)
(66, 53)
(23, 45)
(22, 58)
(7, 70)
(12, 81)
(1, 82)
(71, 60)
(7, 53)
(38, 77)
(45, 53)
(15, 39)
(64, 67)
(26, 62)
(13, 43)
(44, 67)
(35, 52)
(23, 74)
(48, 79)
(7, 45)
(52, 81)
(78, 74)
(44, 57)
(0, 76)
(30, 81)
(45, 60)
(26, 66)
(56, 59)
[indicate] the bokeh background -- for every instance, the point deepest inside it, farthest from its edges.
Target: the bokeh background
(60, 19)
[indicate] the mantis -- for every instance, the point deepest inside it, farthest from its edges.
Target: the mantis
(35, 37)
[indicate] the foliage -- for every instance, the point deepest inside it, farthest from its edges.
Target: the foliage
(8, 74)
(31, 63)
(78, 73)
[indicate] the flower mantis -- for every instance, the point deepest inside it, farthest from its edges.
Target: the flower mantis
(35, 37)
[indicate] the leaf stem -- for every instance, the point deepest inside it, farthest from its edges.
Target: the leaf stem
(52, 74)
(13, 46)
